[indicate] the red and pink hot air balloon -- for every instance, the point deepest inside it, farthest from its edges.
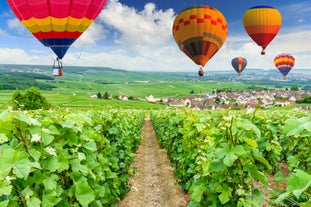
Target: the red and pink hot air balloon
(57, 23)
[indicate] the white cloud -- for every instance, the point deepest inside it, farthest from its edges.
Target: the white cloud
(142, 39)
(16, 25)
(19, 56)
(149, 29)
(2, 32)
(93, 34)
(299, 8)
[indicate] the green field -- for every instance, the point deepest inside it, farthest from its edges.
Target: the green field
(79, 83)
(77, 94)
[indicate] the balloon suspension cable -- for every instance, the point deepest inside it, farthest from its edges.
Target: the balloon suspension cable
(78, 57)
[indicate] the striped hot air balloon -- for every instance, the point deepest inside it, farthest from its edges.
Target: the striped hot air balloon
(199, 32)
(57, 23)
(262, 23)
(284, 62)
(239, 64)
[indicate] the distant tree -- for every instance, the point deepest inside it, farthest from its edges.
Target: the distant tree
(106, 95)
(217, 100)
(306, 99)
(192, 91)
(115, 97)
(30, 100)
(131, 98)
(294, 88)
(99, 95)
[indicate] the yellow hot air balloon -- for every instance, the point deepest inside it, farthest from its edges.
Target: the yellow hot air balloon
(262, 23)
(199, 32)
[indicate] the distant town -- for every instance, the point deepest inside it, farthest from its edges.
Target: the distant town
(223, 99)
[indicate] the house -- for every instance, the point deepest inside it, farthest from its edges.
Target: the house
(123, 98)
(251, 104)
(94, 95)
(284, 103)
(150, 98)
(266, 102)
(176, 103)
(292, 98)
(165, 99)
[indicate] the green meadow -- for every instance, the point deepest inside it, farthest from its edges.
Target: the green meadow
(77, 84)
(77, 94)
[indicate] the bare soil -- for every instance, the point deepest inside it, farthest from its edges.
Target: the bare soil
(272, 184)
(153, 185)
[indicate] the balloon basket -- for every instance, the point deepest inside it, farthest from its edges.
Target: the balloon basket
(57, 67)
(201, 72)
(57, 72)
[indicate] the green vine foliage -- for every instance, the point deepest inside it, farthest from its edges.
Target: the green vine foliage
(218, 154)
(66, 158)
(298, 191)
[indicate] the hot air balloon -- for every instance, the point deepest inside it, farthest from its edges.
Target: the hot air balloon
(239, 64)
(199, 32)
(284, 62)
(262, 23)
(57, 23)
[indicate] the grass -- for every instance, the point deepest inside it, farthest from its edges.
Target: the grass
(175, 89)
(81, 99)
(70, 93)
(79, 83)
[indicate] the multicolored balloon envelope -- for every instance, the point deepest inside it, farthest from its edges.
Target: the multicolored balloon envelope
(262, 23)
(199, 32)
(57, 23)
(284, 62)
(239, 64)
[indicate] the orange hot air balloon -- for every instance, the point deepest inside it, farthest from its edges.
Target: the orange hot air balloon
(262, 23)
(199, 32)
(239, 64)
(284, 62)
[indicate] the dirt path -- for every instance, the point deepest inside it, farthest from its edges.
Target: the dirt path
(153, 185)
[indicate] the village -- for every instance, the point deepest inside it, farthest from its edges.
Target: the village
(225, 99)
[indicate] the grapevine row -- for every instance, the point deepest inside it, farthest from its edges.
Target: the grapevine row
(219, 154)
(67, 158)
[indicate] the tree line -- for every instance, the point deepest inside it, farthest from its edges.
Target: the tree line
(23, 81)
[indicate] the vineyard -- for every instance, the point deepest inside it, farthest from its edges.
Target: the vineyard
(221, 158)
(218, 155)
(66, 158)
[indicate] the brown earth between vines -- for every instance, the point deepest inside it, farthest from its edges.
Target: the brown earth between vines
(153, 185)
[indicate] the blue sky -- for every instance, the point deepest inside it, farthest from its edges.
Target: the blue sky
(136, 35)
